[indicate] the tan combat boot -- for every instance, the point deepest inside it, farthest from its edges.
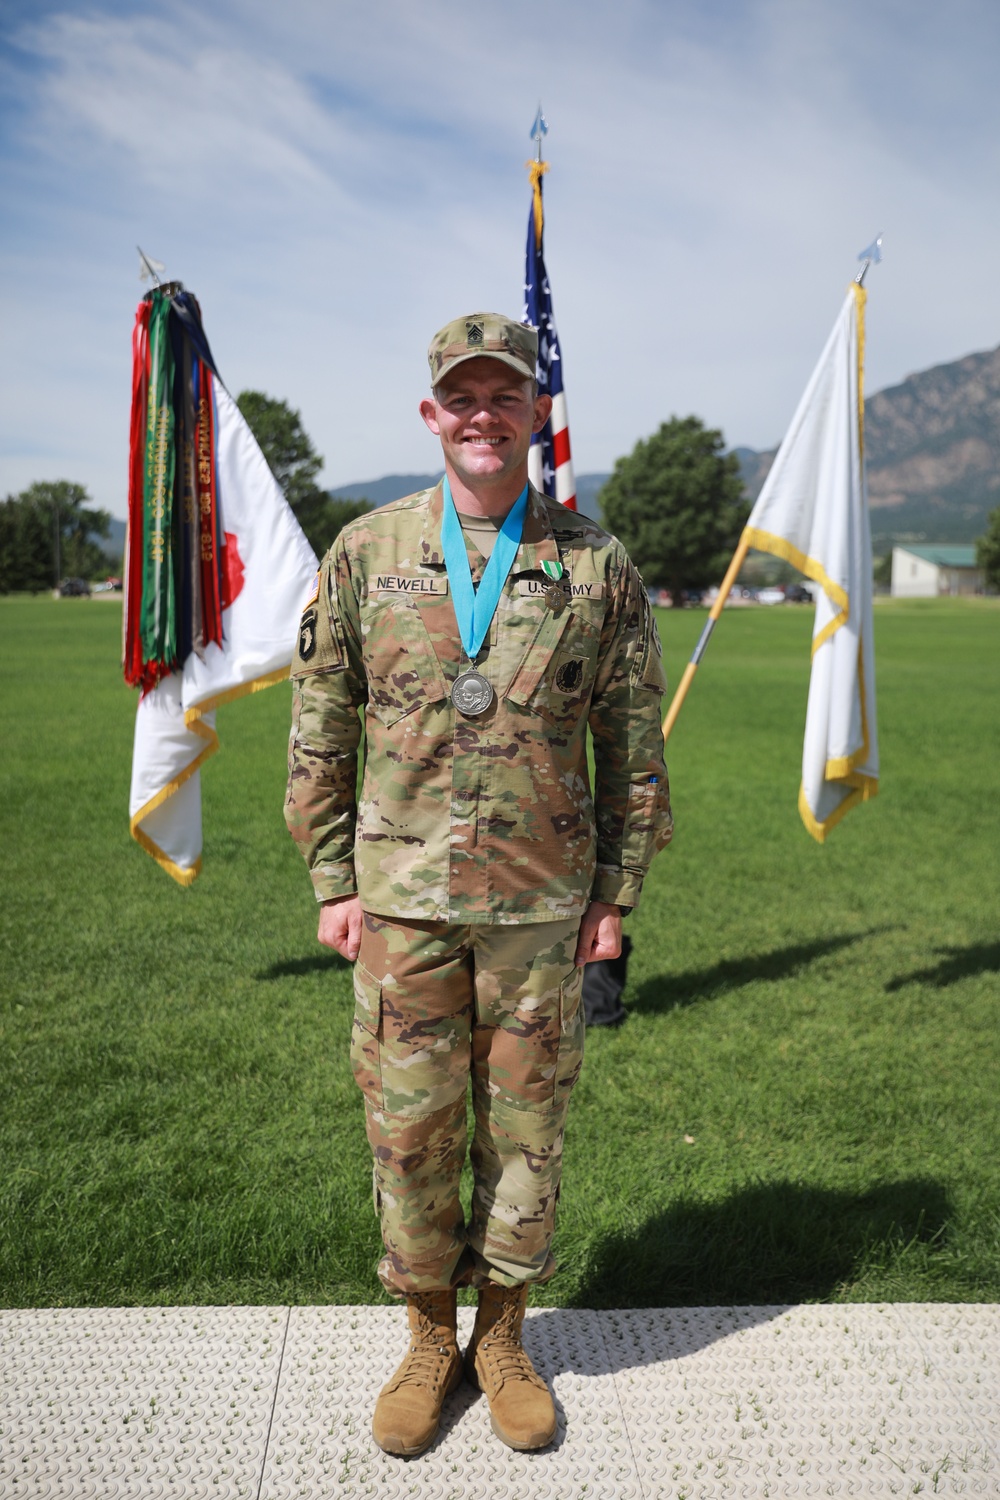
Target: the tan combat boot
(408, 1410)
(521, 1409)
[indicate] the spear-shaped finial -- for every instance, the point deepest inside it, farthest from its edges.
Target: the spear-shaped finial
(536, 170)
(149, 268)
(538, 129)
(872, 252)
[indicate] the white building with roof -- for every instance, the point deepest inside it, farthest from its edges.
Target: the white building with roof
(942, 568)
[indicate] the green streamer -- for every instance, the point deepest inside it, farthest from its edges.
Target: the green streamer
(159, 608)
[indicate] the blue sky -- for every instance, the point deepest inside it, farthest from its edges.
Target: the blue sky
(334, 181)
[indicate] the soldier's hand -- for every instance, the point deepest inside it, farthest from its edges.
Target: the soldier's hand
(600, 933)
(340, 926)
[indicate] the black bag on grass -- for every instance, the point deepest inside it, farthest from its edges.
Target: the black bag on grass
(603, 983)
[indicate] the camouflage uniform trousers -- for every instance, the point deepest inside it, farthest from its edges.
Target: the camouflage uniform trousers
(435, 1004)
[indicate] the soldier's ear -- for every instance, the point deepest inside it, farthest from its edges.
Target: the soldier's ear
(428, 410)
(543, 410)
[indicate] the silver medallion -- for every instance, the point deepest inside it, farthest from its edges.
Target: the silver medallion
(471, 693)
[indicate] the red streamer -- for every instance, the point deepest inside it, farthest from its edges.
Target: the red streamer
(132, 654)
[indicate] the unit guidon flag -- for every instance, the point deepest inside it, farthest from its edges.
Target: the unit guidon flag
(217, 572)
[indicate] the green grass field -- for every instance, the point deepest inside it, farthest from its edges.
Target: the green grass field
(179, 1123)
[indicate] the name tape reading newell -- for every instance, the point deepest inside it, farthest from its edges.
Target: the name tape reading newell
(395, 583)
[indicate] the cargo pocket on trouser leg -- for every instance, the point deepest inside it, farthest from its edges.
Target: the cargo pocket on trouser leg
(572, 1030)
(518, 1157)
(366, 1061)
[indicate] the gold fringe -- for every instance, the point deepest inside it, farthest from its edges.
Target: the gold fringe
(860, 298)
(766, 541)
(193, 720)
(536, 171)
(257, 685)
(865, 788)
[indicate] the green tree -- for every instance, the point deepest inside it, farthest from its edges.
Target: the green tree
(678, 504)
(47, 533)
(295, 464)
(988, 550)
(882, 571)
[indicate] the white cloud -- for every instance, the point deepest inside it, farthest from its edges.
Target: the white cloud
(335, 181)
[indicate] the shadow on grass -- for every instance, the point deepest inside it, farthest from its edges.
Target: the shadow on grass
(671, 991)
(771, 1243)
(956, 964)
(295, 968)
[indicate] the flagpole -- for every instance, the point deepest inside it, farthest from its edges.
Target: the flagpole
(743, 547)
(148, 267)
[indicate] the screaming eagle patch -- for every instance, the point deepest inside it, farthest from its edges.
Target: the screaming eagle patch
(307, 634)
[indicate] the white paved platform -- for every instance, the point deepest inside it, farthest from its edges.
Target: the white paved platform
(273, 1404)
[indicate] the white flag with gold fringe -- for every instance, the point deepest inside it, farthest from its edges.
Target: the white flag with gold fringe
(813, 511)
(270, 568)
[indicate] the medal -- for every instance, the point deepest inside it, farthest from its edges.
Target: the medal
(471, 693)
(475, 607)
(553, 595)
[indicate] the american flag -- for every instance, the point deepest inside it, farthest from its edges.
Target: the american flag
(550, 465)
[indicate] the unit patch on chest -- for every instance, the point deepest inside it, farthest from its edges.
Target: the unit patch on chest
(569, 676)
(411, 583)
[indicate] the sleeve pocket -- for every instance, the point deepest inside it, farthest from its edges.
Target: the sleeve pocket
(647, 668)
(640, 825)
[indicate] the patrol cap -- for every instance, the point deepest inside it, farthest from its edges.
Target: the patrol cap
(480, 334)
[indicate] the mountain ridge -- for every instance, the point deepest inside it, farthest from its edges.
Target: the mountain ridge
(932, 445)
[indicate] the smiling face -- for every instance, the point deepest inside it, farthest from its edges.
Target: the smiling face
(485, 415)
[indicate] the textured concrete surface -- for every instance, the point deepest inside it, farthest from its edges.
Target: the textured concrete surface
(267, 1403)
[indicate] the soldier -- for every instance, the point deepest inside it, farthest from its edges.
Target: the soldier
(481, 628)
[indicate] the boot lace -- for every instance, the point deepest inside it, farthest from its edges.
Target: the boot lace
(431, 1349)
(503, 1353)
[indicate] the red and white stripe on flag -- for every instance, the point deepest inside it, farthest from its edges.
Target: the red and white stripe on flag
(565, 480)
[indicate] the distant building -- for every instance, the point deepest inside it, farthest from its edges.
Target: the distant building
(927, 572)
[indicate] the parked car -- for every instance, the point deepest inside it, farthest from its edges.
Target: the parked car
(770, 596)
(74, 588)
(797, 593)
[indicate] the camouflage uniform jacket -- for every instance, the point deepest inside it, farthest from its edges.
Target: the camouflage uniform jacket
(487, 819)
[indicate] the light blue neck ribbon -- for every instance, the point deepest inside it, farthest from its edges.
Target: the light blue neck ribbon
(475, 608)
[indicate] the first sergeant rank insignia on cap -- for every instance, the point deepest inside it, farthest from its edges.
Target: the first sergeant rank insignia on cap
(475, 333)
(307, 634)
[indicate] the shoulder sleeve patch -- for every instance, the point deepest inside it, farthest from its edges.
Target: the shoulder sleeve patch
(648, 670)
(318, 645)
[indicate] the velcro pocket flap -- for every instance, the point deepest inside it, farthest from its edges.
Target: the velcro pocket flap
(402, 666)
(536, 662)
